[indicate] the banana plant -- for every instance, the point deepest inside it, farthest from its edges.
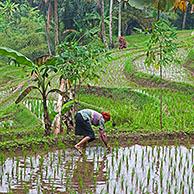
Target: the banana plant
(41, 76)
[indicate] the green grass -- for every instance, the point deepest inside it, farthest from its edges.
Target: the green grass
(129, 116)
(190, 58)
(137, 40)
(141, 40)
(17, 120)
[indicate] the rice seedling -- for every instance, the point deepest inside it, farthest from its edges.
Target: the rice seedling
(8, 177)
(117, 152)
(67, 182)
(26, 188)
(80, 181)
(107, 186)
(95, 180)
(133, 173)
(114, 191)
(126, 188)
(136, 181)
(148, 176)
(17, 162)
(148, 156)
(54, 173)
(135, 159)
(52, 188)
(122, 182)
(12, 171)
(112, 161)
(130, 154)
(127, 163)
(49, 179)
(137, 171)
(184, 171)
(31, 162)
(119, 169)
(161, 176)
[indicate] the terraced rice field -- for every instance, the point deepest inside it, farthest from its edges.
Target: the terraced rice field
(132, 169)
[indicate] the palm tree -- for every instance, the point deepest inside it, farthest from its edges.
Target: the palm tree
(119, 18)
(185, 16)
(48, 24)
(110, 24)
(103, 33)
(56, 24)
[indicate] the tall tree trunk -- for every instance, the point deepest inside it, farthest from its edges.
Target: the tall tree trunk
(192, 8)
(184, 17)
(47, 121)
(68, 117)
(110, 25)
(56, 24)
(119, 19)
(48, 21)
(158, 12)
(103, 25)
(161, 95)
(57, 120)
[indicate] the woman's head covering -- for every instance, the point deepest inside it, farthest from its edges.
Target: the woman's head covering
(106, 116)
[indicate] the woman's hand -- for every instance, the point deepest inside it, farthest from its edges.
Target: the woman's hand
(103, 137)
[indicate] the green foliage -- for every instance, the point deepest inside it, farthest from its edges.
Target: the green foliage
(23, 30)
(20, 117)
(74, 13)
(191, 59)
(67, 106)
(128, 66)
(161, 48)
(191, 55)
(16, 56)
(80, 62)
(9, 9)
(41, 78)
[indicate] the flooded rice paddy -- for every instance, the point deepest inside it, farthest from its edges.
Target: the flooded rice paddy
(125, 170)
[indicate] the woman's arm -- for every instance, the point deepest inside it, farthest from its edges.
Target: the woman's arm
(103, 137)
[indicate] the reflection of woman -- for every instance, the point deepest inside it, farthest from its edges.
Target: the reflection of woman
(83, 121)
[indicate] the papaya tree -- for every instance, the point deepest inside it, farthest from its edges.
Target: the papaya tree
(161, 47)
(81, 63)
(42, 76)
(161, 51)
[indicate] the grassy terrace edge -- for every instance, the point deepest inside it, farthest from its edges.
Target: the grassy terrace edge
(121, 138)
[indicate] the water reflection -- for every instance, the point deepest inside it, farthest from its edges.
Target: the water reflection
(135, 169)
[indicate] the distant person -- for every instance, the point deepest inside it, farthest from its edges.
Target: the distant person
(84, 119)
(122, 42)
